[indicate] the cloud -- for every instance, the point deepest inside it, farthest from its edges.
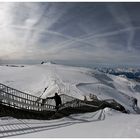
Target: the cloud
(86, 32)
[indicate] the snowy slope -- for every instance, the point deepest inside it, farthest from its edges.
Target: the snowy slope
(103, 123)
(34, 79)
(77, 82)
(74, 81)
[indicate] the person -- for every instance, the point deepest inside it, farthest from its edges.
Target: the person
(57, 99)
(135, 102)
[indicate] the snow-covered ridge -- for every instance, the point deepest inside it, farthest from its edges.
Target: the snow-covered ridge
(132, 72)
(74, 81)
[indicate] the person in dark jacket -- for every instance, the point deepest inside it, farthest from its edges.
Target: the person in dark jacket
(57, 99)
(135, 103)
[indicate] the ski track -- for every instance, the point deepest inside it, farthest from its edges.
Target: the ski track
(12, 127)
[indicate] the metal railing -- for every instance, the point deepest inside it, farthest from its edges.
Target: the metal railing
(18, 99)
(21, 100)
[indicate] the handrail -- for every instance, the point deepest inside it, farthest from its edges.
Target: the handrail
(23, 93)
(18, 99)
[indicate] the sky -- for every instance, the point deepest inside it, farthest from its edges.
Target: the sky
(76, 33)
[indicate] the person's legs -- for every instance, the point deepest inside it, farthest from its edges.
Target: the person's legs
(56, 107)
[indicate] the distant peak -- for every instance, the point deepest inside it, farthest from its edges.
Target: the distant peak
(47, 62)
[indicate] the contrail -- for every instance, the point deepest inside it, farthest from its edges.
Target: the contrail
(122, 17)
(65, 44)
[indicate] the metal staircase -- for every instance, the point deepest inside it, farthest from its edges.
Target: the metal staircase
(23, 105)
(18, 101)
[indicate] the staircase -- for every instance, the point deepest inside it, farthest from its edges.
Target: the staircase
(23, 105)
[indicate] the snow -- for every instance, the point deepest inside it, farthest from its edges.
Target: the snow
(34, 79)
(77, 82)
(103, 123)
